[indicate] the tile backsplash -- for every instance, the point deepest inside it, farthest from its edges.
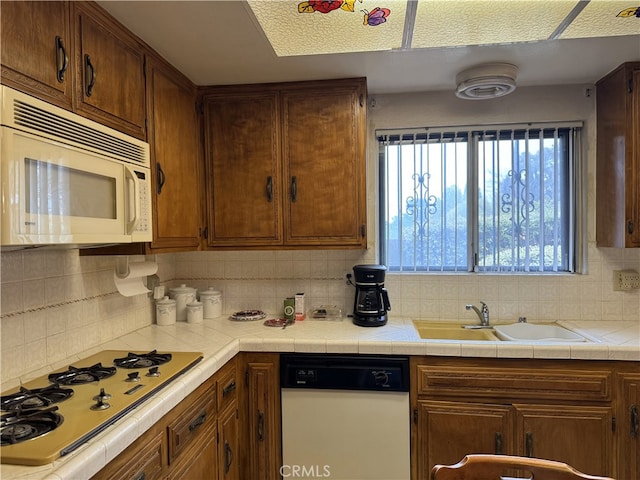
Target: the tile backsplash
(56, 304)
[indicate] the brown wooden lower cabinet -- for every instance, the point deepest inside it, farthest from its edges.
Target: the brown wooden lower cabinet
(144, 458)
(629, 425)
(581, 436)
(446, 431)
(261, 436)
(584, 413)
(199, 462)
(186, 443)
(228, 444)
(560, 410)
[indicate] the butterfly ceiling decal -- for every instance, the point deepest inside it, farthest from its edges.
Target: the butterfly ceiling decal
(377, 16)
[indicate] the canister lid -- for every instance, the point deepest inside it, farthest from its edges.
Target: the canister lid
(210, 292)
(182, 289)
(166, 301)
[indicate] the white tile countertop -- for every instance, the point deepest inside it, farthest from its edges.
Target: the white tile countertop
(220, 339)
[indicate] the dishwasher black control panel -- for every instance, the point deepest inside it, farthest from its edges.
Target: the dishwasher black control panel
(345, 372)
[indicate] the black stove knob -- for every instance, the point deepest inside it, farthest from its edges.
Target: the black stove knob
(153, 372)
(133, 377)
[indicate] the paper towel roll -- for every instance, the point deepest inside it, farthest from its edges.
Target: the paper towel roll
(133, 283)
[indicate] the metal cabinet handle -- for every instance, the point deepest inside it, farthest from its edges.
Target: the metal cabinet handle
(229, 388)
(161, 177)
(635, 422)
(62, 60)
(89, 75)
(228, 457)
(260, 426)
(528, 444)
(140, 476)
(498, 443)
(269, 188)
(198, 421)
(294, 188)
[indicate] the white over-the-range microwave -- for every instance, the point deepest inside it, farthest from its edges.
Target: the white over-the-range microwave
(67, 180)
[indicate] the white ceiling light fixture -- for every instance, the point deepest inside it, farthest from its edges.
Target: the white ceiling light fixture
(489, 80)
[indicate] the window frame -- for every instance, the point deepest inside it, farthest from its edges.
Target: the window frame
(577, 255)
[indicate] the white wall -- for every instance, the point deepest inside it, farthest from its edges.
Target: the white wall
(56, 304)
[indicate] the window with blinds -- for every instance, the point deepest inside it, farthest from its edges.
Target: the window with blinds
(499, 199)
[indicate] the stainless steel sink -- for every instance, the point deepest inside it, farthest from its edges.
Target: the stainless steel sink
(537, 332)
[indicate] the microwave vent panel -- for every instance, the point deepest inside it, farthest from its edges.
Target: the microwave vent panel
(32, 115)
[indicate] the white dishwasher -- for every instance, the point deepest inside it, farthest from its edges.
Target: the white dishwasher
(345, 417)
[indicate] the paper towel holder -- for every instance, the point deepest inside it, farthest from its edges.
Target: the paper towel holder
(133, 279)
(122, 266)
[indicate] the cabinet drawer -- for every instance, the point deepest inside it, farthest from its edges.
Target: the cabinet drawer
(195, 420)
(227, 382)
(557, 384)
(142, 460)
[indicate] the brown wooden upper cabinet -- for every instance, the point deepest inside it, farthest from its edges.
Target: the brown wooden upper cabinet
(174, 138)
(618, 158)
(76, 56)
(36, 47)
(286, 164)
(110, 85)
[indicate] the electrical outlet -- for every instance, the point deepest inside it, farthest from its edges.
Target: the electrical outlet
(625, 280)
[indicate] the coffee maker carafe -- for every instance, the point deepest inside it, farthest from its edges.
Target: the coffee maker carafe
(372, 300)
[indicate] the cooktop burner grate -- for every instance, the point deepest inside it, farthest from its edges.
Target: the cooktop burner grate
(35, 398)
(21, 425)
(142, 360)
(80, 376)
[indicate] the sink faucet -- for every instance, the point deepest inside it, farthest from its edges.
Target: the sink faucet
(482, 315)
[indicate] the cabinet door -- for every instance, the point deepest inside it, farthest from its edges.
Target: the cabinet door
(36, 48)
(579, 436)
(143, 459)
(175, 158)
(228, 460)
(618, 158)
(110, 71)
(323, 142)
(446, 431)
(633, 163)
(243, 170)
(263, 437)
(199, 462)
(629, 427)
(195, 420)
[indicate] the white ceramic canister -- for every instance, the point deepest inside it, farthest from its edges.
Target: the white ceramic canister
(194, 312)
(165, 311)
(182, 295)
(212, 301)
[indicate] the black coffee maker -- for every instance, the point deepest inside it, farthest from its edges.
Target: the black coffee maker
(372, 300)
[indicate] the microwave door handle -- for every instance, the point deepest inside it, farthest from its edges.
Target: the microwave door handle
(133, 222)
